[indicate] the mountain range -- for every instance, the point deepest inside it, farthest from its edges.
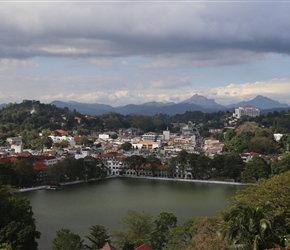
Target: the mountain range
(195, 103)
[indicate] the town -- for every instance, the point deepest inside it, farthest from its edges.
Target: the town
(242, 146)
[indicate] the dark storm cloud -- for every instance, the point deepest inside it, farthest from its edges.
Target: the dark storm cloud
(217, 33)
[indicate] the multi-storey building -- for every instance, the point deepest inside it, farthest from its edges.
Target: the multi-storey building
(246, 111)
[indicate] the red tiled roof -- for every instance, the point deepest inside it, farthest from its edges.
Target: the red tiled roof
(9, 159)
(108, 246)
(61, 131)
(39, 166)
(143, 247)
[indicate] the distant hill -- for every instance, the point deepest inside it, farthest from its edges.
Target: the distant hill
(261, 102)
(85, 108)
(2, 105)
(195, 103)
(204, 102)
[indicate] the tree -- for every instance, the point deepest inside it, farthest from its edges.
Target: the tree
(249, 227)
(67, 240)
(191, 160)
(256, 168)
(274, 190)
(262, 145)
(137, 228)
(126, 146)
(62, 144)
(282, 165)
(154, 163)
(240, 143)
(92, 167)
(181, 235)
(84, 140)
(98, 237)
(161, 234)
(17, 225)
(218, 163)
(233, 166)
(135, 162)
(25, 173)
(7, 174)
(203, 167)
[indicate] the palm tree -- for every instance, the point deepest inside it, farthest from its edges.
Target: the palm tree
(253, 228)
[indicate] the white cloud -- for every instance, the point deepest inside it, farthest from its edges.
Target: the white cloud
(9, 64)
(278, 89)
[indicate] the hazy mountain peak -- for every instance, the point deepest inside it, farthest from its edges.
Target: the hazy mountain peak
(200, 100)
(263, 102)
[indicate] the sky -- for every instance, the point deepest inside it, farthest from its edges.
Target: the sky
(121, 52)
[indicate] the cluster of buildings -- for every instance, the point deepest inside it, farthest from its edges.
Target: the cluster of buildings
(163, 146)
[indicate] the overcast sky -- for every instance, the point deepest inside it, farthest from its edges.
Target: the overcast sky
(120, 52)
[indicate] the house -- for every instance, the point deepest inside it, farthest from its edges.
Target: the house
(108, 246)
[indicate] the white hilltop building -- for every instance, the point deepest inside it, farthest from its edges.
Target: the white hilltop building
(246, 111)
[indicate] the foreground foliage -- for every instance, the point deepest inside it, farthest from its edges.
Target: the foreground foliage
(17, 225)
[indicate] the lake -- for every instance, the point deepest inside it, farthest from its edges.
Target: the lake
(104, 202)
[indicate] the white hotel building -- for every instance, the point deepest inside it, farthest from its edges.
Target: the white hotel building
(246, 111)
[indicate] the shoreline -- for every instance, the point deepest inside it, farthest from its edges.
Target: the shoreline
(188, 180)
(21, 190)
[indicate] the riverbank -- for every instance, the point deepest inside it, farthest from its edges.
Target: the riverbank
(188, 180)
(137, 177)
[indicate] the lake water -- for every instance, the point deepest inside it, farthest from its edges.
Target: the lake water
(104, 202)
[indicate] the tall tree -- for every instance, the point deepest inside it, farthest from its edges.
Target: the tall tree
(161, 234)
(137, 228)
(154, 163)
(135, 162)
(25, 172)
(233, 166)
(67, 240)
(98, 237)
(256, 169)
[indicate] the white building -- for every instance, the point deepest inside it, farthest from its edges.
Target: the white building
(246, 111)
(166, 135)
(104, 136)
(57, 139)
(115, 167)
(83, 153)
(149, 137)
(14, 140)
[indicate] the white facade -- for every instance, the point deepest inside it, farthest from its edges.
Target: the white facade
(149, 137)
(57, 139)
(50, 162)
(115, 167)
(277, 137)
(17, 148)
(166, 135)
(246, 111)
(82, 154)
(104, 136)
